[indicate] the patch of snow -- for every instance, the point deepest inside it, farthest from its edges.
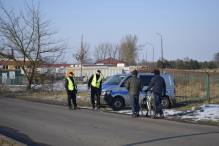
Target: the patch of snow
(58, 86)
(170, 112)
(207, 112)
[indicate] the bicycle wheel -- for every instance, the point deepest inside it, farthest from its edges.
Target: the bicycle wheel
(143, 107)
(153, 110)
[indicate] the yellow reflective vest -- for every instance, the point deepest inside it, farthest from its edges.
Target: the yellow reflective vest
(71, 86)
(96, 83)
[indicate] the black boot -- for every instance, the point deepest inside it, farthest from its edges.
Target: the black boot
(98, 107)
(93, 106)
(75, 107)
(70, 108)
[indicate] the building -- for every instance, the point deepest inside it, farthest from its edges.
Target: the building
(11, 72)
(114, 62)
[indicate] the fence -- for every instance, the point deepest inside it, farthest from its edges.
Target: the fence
(196, 85)
(7, 80)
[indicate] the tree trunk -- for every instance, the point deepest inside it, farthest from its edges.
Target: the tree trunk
(28, 85)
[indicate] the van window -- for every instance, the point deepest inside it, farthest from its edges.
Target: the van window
(123, 84)
(146, 80)
(115, 80)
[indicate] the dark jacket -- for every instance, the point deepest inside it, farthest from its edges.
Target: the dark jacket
(90, 80)
(134, 85)
(158, 84)
(66, 84)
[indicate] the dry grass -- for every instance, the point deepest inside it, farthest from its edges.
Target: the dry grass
(194, 88)
(55, 97)
(7, 142)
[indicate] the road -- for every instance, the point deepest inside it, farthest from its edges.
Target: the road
(46, 124)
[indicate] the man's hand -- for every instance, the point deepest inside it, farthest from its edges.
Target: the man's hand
(164, 94)
(146, 91)
(76, 91)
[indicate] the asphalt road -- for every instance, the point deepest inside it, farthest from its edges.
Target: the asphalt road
(46, 124)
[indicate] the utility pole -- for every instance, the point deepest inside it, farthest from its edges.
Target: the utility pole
(81, 53)
(161, 50)
(146, 58)
(153, 53)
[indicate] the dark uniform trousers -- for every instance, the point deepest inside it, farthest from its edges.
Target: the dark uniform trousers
(95, 91)
(72, 96)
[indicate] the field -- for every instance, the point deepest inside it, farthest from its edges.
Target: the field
(55, 94)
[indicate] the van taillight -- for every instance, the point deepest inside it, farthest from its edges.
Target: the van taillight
(174, 90)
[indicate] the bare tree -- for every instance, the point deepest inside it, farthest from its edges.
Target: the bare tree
(105, 50)
(100, 52)
(216, 59)
(115, 51)
(82, 54)
(186, 58)
(129, 49)
(29, 35)
(110, 50)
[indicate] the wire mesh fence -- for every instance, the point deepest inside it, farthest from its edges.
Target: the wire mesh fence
(191, 85)
(50, 82)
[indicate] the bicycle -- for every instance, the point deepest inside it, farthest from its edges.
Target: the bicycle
(148, 104)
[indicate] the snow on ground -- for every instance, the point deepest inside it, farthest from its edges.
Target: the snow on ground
(170, 112)
(58, 86)
(207, 112)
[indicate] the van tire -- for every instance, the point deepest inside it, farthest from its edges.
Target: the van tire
(117, 104)
(165, 102)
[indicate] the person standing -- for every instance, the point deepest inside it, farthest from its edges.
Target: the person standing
(95, 83)
(134, 86)
(71, 89)
(159, 85)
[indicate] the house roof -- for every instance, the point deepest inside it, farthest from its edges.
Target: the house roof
(62, 65)
(111, 61)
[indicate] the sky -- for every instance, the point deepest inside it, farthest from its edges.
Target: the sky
(188, 27)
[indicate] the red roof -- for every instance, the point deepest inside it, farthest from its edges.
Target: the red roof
(111, 61)
(62, 65)
(55, 65)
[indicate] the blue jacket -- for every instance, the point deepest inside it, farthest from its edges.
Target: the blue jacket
(158, 84)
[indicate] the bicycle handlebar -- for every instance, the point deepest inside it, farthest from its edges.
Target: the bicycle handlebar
(151, 91)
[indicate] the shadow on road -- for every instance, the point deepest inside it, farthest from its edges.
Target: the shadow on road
(14, 134)
(165, 138)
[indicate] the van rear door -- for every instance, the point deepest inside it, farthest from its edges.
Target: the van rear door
(146, 79)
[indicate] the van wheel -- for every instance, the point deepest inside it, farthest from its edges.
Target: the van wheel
(117, 104)
(165, 102)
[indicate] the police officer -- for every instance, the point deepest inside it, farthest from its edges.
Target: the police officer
(96, 84)
(71, 89)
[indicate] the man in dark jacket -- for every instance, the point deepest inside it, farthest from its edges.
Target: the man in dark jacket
(71, 89)
(134, 86)
(95, 83)
(159, 85)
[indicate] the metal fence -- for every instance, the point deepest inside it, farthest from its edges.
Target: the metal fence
(196, 85)
(6, 80)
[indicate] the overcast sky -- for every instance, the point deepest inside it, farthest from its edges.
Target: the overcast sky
(188, 27)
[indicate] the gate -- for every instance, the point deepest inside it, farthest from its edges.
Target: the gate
(192, 88)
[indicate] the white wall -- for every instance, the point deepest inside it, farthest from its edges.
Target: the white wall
(120, 64)
(105, 72)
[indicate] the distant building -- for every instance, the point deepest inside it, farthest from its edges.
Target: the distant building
(114, 62)
(11, 65)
